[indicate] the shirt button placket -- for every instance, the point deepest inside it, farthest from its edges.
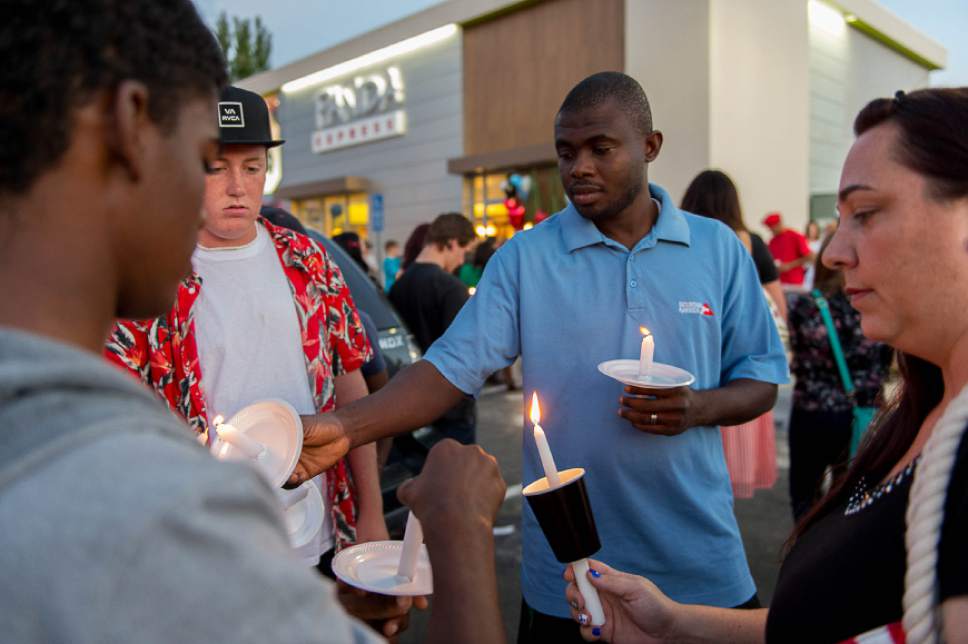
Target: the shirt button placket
(633, 298)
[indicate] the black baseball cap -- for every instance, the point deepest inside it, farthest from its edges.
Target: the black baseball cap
(243, 118)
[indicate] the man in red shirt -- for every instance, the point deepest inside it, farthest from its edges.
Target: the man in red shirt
(790, 250)
(264, 314)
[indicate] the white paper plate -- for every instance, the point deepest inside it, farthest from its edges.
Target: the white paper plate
(373, 567)
(661, 376)
(304, 518)
(275, 424)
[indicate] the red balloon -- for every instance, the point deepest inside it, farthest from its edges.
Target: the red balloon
(515, 213)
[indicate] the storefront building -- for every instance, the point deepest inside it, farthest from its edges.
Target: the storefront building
(452, 108)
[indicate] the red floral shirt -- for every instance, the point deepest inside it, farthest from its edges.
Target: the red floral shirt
(163, 353)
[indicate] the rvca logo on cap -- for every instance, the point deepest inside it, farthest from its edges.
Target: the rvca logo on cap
(230, 114)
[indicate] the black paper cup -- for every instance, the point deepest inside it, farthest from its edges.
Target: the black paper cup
(565, 515)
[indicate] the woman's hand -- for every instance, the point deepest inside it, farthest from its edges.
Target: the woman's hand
(635, 609)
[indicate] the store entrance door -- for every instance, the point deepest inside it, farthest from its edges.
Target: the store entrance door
(336, 213)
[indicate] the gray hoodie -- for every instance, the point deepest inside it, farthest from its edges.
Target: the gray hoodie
(117, 526)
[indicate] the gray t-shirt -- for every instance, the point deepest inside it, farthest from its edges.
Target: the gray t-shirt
(118, 527)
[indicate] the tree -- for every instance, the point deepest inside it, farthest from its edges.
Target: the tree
(246, 45)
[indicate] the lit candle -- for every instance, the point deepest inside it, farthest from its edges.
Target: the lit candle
(412, 539)
(647, 352)
(544, 451)
(231, 435)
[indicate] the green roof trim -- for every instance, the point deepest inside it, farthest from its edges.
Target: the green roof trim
(889, 42)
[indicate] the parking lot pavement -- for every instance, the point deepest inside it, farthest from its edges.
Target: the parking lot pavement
(764, 519)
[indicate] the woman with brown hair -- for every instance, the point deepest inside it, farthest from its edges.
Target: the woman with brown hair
(822, 415)
(902, 245)
(750, 448)
(713, 194)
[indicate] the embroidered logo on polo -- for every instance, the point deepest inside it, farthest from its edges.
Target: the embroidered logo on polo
(230, 114)
(695, 308)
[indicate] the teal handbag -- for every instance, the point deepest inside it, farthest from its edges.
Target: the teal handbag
(862, 415)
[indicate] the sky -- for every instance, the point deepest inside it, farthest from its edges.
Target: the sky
(946, 21)
(303, 27)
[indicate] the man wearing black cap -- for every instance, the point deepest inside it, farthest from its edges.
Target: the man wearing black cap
(264, 314)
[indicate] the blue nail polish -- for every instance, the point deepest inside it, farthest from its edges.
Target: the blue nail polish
(596, 631)
(582, 619)
(595, 573)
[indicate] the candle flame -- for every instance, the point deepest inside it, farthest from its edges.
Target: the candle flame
(645, 331)
(535, 409)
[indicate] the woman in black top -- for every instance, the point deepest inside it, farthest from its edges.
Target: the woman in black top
(822, 413)
(749, 448)
(902, 244)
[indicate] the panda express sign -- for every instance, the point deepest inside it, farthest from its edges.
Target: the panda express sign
(367, 109)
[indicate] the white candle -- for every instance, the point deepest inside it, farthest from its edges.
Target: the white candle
(544, 451)
(592, 603)
(647, 352)
(231, 435)
(412, 539)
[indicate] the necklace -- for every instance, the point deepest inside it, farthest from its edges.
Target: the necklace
(863, 497)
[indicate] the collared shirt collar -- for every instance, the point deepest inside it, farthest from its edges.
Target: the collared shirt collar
(671, 226)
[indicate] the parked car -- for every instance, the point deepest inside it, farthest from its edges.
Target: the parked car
(399, 350)
(396, 342)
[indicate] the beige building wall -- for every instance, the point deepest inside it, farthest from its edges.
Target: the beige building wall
(759, 96)
(667, 51)
(753, 87)
(847, 70)
(728, 82)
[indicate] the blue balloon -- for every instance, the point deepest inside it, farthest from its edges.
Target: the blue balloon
(515, 180)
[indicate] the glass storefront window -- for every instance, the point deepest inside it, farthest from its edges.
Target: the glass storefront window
(484, 197)
(335, 214)
(310, 212)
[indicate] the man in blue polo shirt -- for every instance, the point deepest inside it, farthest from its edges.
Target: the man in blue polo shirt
(572, 293)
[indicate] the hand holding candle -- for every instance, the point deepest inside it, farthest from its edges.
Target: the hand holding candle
(565, 506)
(647, 352)
(544, 451)
(231, 435)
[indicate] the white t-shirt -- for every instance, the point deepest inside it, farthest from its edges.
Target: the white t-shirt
(249, 341)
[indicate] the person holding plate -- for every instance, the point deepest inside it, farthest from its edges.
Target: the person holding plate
(265, 313)
(572, 293)
(118, 526)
